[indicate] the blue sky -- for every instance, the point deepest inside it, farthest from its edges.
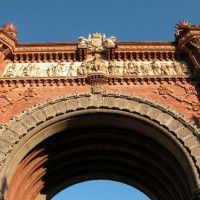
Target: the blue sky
(127, 20)
(100, 189)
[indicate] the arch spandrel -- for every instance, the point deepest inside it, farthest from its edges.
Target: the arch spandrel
(30, 121)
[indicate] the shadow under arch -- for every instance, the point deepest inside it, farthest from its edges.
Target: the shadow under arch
(121, 133)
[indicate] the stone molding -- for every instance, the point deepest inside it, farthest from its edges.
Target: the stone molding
(82, 80)
(18, 127)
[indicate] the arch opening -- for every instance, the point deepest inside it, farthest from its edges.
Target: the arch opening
(102, 144)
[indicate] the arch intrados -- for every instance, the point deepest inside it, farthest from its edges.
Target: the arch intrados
(61, 123)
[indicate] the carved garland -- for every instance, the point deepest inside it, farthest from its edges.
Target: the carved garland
(185, 132)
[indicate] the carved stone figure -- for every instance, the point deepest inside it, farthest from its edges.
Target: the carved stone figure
(79, 69)
(88, 68)
(156, 68)
(125, 68)
(119, 70)
(20, 71)
(103, 67)
(38, 72)
(177, 68)
(32, 70)
(82, 41)
(95, 64)
(72, 69)
(25, 71)
(82, 69)
(50, 70)
(164, 69)
(131, 68)
(112, 68)
(110, 40)
(184, 69)
(11, 72)
(137, 70)
(171, 70)
(59, 69)
(146, 69)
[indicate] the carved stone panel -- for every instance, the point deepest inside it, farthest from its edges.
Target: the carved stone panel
(96, 65)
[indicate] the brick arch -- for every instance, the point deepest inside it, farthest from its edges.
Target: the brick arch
(185, 133)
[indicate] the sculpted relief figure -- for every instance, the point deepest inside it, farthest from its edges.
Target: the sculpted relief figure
(109, 41)
(119, 70)
(184, 69)
(72, 69)
(156, 68)
(126, 68)
(180, 69)
(81, 70)
(59, 69)
(112, 68)
(103, 67)
(25, 71)
(171, 70)
(50, 70)
(82, 41)
(164, 69)
(177, 68)
(95, 65)
(138, 70)
(33, 71)
(11, 71)
(146, 69)
(132, 68)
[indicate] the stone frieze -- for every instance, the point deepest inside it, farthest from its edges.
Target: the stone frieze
(95, 65)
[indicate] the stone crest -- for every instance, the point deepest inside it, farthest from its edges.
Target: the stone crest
(96, 42)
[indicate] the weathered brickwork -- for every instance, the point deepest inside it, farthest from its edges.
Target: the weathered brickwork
(182, 96)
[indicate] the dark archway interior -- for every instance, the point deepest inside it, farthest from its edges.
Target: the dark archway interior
(99, 151)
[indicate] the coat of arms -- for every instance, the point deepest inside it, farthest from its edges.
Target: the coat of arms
(96, 42)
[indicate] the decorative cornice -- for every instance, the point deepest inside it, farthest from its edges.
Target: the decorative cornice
(82, 80)
(46, 48)
(144, 47)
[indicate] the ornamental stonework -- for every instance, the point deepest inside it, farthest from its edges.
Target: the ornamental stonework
(96, 42)
(95, 64)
